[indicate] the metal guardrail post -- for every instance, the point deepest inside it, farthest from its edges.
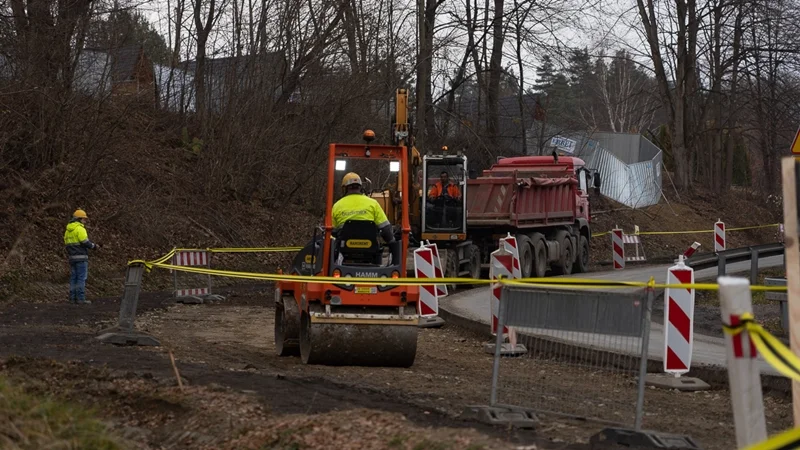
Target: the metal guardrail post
(130, 297)
(498, 345)
(721, 264)
(637, 424)
(753, 265)
(124, 333)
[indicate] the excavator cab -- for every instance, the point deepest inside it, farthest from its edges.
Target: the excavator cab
(444, 215)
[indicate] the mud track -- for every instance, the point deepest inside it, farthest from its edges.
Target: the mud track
(230, 344)
(228, 355)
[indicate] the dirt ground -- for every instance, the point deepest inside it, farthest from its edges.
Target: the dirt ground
(239, 395)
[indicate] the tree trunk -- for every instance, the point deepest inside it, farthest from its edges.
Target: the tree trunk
(495, 72)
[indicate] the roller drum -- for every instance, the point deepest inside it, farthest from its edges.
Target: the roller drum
(341, 344)
(287, 327)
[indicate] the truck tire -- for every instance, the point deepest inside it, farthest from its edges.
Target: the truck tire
(474, 256)
(525, 256)
(565, 259)
(539, 255)
(582, 258)
(450, 268)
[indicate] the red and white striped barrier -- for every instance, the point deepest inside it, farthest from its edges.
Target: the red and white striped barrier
(617, 249)
(191, 292)
(505, 264)
(191, 258)
(437, 265)
(678, 320)
(634, 239)
(510, 243)
(692, 248)
(719, 236)
(618, 241)
(428, 294)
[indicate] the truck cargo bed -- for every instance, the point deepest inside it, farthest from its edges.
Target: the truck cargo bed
(521, 202)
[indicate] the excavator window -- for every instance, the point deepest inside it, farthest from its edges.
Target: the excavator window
(444, 187)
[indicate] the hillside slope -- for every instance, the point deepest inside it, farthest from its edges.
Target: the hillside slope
(148, 193)
(695, 212)
(143, 197)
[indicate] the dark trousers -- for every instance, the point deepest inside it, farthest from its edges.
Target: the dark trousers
(79, 270)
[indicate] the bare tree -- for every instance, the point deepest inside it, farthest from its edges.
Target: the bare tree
(678, 93)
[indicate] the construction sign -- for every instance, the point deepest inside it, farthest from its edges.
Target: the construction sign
(796, 144)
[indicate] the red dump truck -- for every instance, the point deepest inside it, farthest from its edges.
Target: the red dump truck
(544, 202)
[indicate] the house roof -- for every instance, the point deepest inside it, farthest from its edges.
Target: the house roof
(123, 61)
(224, 65)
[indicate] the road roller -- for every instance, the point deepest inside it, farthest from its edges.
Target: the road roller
(336, 322)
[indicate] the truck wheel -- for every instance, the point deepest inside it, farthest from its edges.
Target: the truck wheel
(525, 256)
(450, 268)
(582, 258)
(539, 256)
(474, 256)
(565, 260)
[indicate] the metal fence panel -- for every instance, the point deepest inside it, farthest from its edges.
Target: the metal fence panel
(570, 336)
(599, 313)
(645, 179)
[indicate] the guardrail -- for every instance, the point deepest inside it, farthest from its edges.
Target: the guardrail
(734, 255)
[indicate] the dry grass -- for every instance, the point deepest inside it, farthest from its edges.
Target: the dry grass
(33, 422)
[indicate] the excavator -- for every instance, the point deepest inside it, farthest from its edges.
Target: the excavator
(334, 321)
(441, 220)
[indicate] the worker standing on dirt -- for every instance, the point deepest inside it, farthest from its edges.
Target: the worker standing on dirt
(444, 188)
(356, 206)
(78, 244)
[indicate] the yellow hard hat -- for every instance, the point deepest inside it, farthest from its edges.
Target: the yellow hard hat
(80, 214)
(350, 179)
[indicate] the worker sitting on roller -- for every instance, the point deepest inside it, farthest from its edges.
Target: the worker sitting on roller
(354, 205)
(444, 188)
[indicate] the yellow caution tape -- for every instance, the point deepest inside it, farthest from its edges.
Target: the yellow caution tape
(172, 252)
(255, 250)
(774, 352)
(784, 441)
(572, 283)
(241, 249)
(754, 227)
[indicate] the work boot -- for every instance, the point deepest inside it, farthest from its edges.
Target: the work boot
(84, 302)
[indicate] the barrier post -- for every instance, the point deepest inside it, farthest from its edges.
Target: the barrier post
(637, 424)
(719, 236)
(753, 265)
(678, 332)
(124, 333)
(744, 377)
(791, 255)
(208, 266)
(617, 249)
(498, 346)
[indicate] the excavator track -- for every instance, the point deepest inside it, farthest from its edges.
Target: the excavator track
(358, 340)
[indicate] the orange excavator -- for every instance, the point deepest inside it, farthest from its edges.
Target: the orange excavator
(337, 322)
